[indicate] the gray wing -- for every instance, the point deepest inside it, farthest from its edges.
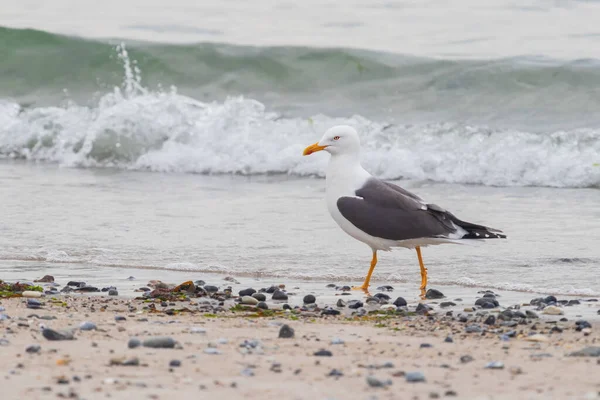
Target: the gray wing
(387, 211)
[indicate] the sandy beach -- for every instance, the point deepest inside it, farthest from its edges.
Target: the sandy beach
(339, 349)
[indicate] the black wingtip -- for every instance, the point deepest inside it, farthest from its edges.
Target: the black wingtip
(480, 234)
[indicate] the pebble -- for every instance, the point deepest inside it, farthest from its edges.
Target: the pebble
(422, 308)
(279, 295)
(445, 304)
(212, 351)
(260, 296)
(133, 343)
(414, 377)
(374, 382)
(87, 289)
(45, 279)
(113, 292)
(262, 305)
(51, 334)
(473, 329)
(552, 310)
(490, 320)
(531, 314)
(537, 338)
(31, 294)
(175, 363)
(550, 300)
(590, 351)
(400, 302)
(87, 326)
(449, 339)
(494, 365)
(388, 307)
(286, 332)
(34, 304)
(581, 325)
(4, 342)
(120, 318)
(323, 353)
(198, 330)
(486, 300)
(33, 349)
(249, 300)
(309, 299)
(337, 341)
(340, 303)
(425, 346)
(355, 304)
(129, 362)
(466, 359)
(434, 294)
(159, 343)
(247, 292)
(335, 373)
(211, 289)
(381, 296)
(385, 288)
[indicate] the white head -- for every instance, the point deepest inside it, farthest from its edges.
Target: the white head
(341, 139)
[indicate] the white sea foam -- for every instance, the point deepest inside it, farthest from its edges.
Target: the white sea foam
(135, 128)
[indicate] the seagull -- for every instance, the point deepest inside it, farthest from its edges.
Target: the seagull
(381, 214)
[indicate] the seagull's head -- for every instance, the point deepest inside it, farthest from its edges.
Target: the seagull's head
(341, 139)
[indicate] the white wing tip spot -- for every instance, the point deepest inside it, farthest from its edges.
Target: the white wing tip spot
(476, 234)
(486, 235)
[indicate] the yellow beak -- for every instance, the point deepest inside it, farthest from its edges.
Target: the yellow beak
(313, 148)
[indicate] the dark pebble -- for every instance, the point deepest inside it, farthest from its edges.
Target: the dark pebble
(175, 363)
(76, 284)
(573, 302)
(113, 292)
(272, 289)
(400, 302)
(262, 305)
(51, 334)
(344, 288)
(382, 296)
(450, 393)
(473, 329)
(286, 307)
(487, 305)
(581, 324)
(531, 314)
(88, 289)
(385, 288)
(45, 279)
(536, 301)
(211, 289)
(591, 351)
(323, 353)
(309, 299)
(279, 295)
(422, 308)
(160, 343)
(550, 300)
(335, 373)
(106, 289)
(331, 285)
(445, 304)
(490, 320)
(260, 296)
(247, 292)
(341, 303)
(434, 294)
(489, 295)
(33, 349)
(425, 345)
(466, 359)
(449, 339)
(354, 304)
(34, 304)
(556, 329)
(414, 377)
(286, 332)
(484, 301)
(120, 318)
(133, 343)
(330, 311)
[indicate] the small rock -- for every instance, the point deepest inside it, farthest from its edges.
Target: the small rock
(129, 362)
(249, 300)
(550, 300)
(473, 329)
(211, 351)
(355, 304)
(374, 382)
(309, 299)
(381, 297)
(494, 365)
(120, 318)
(552, 310)
(490, 320)
(323, 353)
(434, 294)
(34, 304)
(260, 296)
(87, 289)
(425, 345)
(537, 338)
(581, 325)
(279, 295)
(31, 294)
(33, 349)
(247, 292)
(423, 308)
(175, 363)
(414, 376)
(286, 331)
(133, 343)
(76, 284)
(445, 304)
(159, 343)
(335, 373)
(340, 303)
(485, 302)
(531, 314)
(449, 339)
(400, 302)
(466, 359)
(51, 334)
(590, 351)
(211, 289)
(87, 326)
(385, 288)
(262, 305)
(337, 341)
(113, 292)
(45, 279)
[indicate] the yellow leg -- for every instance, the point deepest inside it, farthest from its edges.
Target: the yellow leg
(423, 269)
(365, 285)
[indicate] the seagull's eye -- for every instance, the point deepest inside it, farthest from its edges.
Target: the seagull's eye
(336, 138)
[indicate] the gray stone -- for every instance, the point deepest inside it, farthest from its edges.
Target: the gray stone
(113, 292)
(87, 326)
(309, 299)
(590, 351)
(51, 334)
(249, 300)
(434, 294)
(494, 365)
(375, 382)
(133, 343)
(260, 296)
(33, 349)
(415, 377)
(286, 332)
(160, 343)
